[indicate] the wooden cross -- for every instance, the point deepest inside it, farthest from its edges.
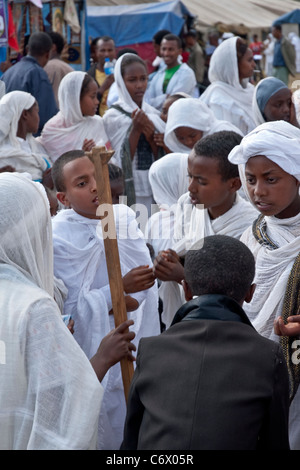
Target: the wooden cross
(100, 157)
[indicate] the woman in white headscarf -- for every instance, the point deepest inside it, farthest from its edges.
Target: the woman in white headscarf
(42, 368)
(19, 150)
(76, 126)
(130, 124)
(274, 240)
(169, 180)
(230, 93)
(50, 395)
(188, 121)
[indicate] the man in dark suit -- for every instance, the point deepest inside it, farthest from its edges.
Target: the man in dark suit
(210, 381)
(29, 75)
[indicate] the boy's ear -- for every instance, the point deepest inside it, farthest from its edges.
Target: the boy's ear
(250, 293)
(235, 184)
(62, 197)
(187, 291)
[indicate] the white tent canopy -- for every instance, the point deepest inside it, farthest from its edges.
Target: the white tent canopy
(251, 13)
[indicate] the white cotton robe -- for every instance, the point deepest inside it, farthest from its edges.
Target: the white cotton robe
(193, 224)
(79, 260)
(117, 125)
(279, 141)
(225, 96)
(50, 396)
(26, 156)
(169, 180)
(68, 129)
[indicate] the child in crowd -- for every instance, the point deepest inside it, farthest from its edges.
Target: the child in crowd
(212, 206)
(76, 125)
(268, 158)
(50, 396)
(19, 119)
(168, 181)
(210, 382)
(188, 121)
(79, 260)
(159, 137)
(130, 124)
(272, 101)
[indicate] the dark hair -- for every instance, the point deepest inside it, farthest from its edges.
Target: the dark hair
(241, 48)
(158, 37)
(218, 146)
(221, 265)
(106, 39)
(85, 84)
(173, 37)
(192, 33)
(58, 40)
(58, 167)
(39, 44)
(126, 50)
(131, 59)
(277, 26)
(94, 42)
(114, 172)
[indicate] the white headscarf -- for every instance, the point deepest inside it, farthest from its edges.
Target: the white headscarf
(38, 378)
(25, 229)
(228, 98)
(116, 123)
(168, 178)
(68, 129)
(279, 141)
(11, 150)
(191, 112)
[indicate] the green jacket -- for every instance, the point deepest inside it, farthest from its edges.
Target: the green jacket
(289, 55)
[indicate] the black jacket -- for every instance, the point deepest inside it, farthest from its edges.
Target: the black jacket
(209, 382)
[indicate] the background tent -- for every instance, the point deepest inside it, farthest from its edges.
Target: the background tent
(291, 17)
(135, 25)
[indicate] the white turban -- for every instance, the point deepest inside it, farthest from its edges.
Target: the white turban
(279, 141)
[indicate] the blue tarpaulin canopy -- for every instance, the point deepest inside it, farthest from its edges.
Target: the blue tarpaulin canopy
(291, 17)
(132, 24)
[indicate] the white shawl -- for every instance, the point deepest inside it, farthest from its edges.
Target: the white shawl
(227, 98)
(25, 156)
(79, 259)
(193, 113)
(169, 180)
(68, 128)
(39, 382)
(116, 124)
(279, 141)
(193, 224)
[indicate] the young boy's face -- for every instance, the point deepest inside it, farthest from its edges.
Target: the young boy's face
(81, 190)
(207, 187)
(271, 189)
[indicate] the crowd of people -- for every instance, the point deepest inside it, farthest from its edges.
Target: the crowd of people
(204, 178)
